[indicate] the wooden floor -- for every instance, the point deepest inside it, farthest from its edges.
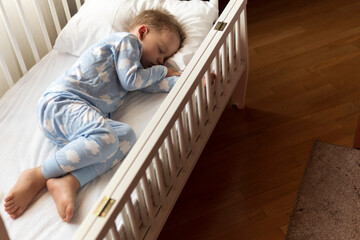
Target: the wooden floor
(304, 85)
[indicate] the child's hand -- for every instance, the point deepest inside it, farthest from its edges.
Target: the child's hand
(171, 72)
(212, 78)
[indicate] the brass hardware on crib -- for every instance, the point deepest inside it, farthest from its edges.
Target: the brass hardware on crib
(104, 206)
(220, 26)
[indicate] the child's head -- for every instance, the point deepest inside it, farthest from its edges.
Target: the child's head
(160, 35)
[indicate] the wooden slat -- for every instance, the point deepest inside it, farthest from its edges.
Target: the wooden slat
(78, 4)
(209, 95)
(142, 205)
(66, 10)
(42, 25)
(6, 72)
(12, 38)
(161, 182)
(27, 31)
(172, 162)
(218, 90)
(224, 71)
(154, 186)
(133, 219)
(114, 233)
(149, 202)
(127, 224)
(165, 164)
(200, 100)
(54, 16)
(182, 136)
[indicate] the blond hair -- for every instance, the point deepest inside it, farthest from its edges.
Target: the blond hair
(159, 20)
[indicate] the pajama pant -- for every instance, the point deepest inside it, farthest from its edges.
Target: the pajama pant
(90, 144)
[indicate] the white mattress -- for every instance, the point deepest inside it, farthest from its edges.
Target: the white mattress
(23, 146)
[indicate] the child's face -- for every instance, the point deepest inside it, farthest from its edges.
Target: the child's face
(157, 46)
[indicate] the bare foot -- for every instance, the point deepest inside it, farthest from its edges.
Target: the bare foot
(63, 190)
(29, 183)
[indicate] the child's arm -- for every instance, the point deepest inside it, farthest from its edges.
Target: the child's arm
(166, 84)
(131, 74)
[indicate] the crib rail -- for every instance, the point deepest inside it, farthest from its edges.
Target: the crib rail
(161, 161)
(24, 41)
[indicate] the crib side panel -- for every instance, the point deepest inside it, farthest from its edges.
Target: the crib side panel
(28, 32)
(163, 158)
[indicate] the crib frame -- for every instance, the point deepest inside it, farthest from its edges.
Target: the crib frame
(164, 156)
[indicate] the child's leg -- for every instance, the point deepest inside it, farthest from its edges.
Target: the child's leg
(126, 137)
(85, 135)
(91, 146)
(64, 189)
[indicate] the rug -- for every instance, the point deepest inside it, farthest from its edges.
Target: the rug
(328, 202)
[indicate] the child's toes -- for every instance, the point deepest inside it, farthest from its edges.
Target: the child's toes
(68, 213)
(8, 203)
(10, 207)
(12, 210)
(16, 213)
(8, 197)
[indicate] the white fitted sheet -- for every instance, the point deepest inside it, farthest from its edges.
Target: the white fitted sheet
(23, 146)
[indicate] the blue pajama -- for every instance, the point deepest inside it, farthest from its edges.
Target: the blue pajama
(75, 110)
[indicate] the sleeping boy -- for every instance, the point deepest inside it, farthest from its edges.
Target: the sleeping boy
(75, 110)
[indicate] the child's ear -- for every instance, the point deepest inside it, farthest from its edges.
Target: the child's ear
(142, 30)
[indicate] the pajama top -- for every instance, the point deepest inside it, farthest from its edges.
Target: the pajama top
(105, 72)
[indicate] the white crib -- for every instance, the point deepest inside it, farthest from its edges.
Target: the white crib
(141, 193)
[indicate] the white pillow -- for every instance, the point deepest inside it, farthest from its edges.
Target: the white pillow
(98, 18)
